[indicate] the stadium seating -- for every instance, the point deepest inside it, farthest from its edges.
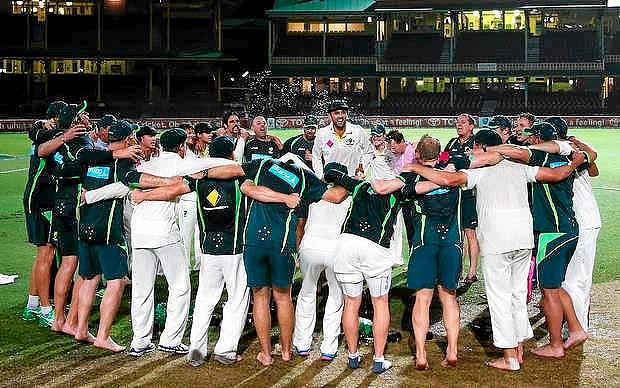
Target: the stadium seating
(498, 46)
(72, 34)
(8, 25)
(189, 34)
(127, 34)
(299, 46)
(414, 48)
(349, 45)
(569, 46)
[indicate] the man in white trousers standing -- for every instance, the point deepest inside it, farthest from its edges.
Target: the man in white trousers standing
(506, 247)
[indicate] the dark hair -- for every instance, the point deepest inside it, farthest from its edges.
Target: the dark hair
(395, 135)
(174, 149)
(528, 116)
(227, 116)
(470, 118)
(185, 126)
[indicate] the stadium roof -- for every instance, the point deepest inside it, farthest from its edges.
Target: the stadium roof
(317, 7)
(417, 5)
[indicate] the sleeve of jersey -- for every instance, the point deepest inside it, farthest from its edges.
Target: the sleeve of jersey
(190, 182)
(90, 156)
(128, 174)
(314, 188)
(251, 169)
(408, 190)
(460, 162)
(537, 158)
(287, 145)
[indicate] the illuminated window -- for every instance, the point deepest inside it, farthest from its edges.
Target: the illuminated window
(334, 85)
(359, 85)
(356, 27)
(306, 86)
(315, 27)
(337, 27)
(295, 27)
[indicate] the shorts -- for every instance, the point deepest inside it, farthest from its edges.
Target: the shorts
(555, 251)
(65, 235)
(436, 256)
(469, 215)
(378, 285)
(38, 227)
(267, 266)
(96, 259)
(357, 258)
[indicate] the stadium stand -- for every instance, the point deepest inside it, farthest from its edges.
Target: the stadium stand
(569, 46)
(414, 48)
(8, 25)
(81, 38)
(299, 46)
(499, 46)
(126, 34)
(349, 45)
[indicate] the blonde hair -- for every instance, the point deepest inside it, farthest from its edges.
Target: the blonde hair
(428, 147)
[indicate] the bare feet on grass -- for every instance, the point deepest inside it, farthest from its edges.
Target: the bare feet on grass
(57, 325)
(520, 353)
(575, 339)
(503, 364)
(109, 344)
(264, 359)
(81, 337)
(548, 351)
(71, 330)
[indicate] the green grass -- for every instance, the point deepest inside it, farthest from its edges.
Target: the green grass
(18, 254)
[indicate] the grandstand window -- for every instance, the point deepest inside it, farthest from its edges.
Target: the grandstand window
(359, 86)
(306, 86)
(492, 20)
(315, 27)
(296, 27)
(381, 30)
(337, 27)
(470, 20)
(403, 83)
(334, 85)
(356, 27)
(514, 20)
(552, 21)
(346, 86)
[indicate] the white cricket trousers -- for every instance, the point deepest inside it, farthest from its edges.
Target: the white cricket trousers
(215, 272)
(188, 224)
(578, 279)
(143, 271)
(313, 261)
(505, 282)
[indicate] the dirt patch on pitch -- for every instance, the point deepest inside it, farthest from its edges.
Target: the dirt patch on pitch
(595, 363)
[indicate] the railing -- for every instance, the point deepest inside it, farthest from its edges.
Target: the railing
(323, 60)
(489, 67)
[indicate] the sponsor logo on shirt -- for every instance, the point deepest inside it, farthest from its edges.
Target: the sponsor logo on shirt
(98, 172)
(260, 156)
(438, 191)
(557, 164)
(330, 143)
(58, 158)
(349, 141)
(287, 176)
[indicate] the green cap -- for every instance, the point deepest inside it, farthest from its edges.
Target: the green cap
(54, 108)
(377, 130)
(335, 166)
(146, 130)
(221, 147)
(499, 122)
(67, 115)
(311, 121)
(120, 130)
(172, 138)
(204, 127)
(487, 137)
(560, 125)
(106, 121)
(541, 129)
(337, 105)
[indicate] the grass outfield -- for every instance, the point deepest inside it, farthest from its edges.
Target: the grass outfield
(15, 336)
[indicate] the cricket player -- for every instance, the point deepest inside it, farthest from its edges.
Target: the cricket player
(461, 146)
(302, 144)
(505, 247)
(262, 145)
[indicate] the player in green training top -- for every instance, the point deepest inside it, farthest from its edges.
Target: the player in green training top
(556, 232)
(363, 254)
(301, 145)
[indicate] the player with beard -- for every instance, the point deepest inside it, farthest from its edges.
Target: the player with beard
(262, 146)
(301, 145)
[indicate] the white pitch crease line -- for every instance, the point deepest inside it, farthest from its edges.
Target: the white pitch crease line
(158, 371)
(251, 377)
(128, 368)
(393, 377)
(95, 364)
(16, 170)
(297, 371)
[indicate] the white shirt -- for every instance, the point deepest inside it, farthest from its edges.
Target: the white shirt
(189, 154)
(154, 224)
(353, 148)
(504, 217)
(584, 202)
(324, 223)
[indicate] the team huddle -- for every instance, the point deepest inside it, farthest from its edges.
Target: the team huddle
(122, 203)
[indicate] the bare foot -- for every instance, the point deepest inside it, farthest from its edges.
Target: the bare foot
(264, 359)
(57, 325)
(286, 356)
(421, 363)
(84, 337)
(548, 351)
(520, 353)
(503, 364)
(574, 339)
(446, 363)
(70, 330)
(109, 344)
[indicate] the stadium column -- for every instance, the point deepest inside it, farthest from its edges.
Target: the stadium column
(325, 26)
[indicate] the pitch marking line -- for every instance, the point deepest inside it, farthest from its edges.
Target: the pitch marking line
(16, 170)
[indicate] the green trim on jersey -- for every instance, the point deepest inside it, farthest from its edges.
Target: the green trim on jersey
(34, 183)
(355, 190)
(201, 218)
(543, 240)
(552, 205)
(393, 202)
(290, 213)
(111, 215)
(237, 209)
(247, 216)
